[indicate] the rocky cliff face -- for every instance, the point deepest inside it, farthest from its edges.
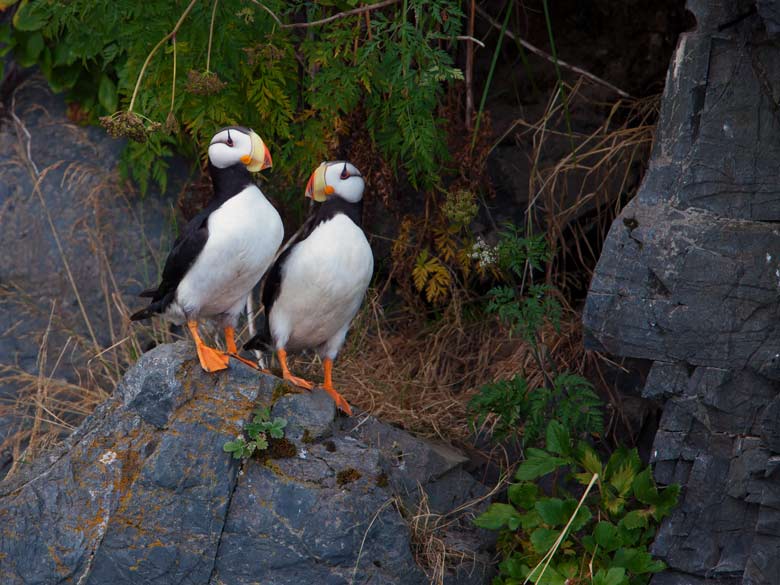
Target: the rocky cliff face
(690, 280)
(142, 492)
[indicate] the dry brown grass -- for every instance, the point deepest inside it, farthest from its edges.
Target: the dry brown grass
(582, 192)
(413, 370)
(432, 549)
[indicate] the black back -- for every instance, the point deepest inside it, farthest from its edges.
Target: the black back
(189, 244)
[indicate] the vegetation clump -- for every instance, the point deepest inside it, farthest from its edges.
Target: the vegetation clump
(259, 433)
(595, 528)
(515, 407)
(348, 475)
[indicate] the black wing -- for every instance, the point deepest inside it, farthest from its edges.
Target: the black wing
(186, 249)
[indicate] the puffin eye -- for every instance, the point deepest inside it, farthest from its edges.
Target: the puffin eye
(345, 173)
(229, 140)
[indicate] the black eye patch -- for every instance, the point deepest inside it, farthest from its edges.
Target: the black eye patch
(345, 173)
(229, 140)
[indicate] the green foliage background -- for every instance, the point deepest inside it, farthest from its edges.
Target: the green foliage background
(294, 86)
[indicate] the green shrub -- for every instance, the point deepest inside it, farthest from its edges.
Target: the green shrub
(597, 534)
(520, 408)
(295, 86)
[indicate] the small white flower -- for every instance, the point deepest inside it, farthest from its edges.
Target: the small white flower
(108, 458)
(484, 253)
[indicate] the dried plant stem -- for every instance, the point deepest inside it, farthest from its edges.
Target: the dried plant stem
(173, 80)
(470, 69)
(211, 35)
(340, 15)
(551, 553)
(537, 51)
(162, 41)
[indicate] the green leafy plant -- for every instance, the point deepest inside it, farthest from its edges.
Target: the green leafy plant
(167, 75)
(517, 406)
(258, 431)
(595, 529)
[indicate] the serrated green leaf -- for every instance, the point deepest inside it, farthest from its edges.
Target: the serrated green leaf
(538, 464)
(623, 466)
(496, 516)
(589, 459)
(550, 576)
(613, 576)
(262, 442)
(635, 560)
(523, 495)
(553, 511)
(558, 438)
(542, 539)
(667, 499)
(635, 519)
(606, 536)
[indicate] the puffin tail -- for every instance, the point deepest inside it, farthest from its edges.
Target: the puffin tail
(153, 308)
(262, 339)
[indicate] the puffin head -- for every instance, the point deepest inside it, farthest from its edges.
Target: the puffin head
(336, 179)
(236, 144)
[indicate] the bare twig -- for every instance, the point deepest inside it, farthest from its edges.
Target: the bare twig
(470, 69)
(338, 16)
(537, 51)
(211, 35)
(269, 11)
(470, 39)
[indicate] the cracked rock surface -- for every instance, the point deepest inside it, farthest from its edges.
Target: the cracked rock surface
(690, 280)
(142, 492)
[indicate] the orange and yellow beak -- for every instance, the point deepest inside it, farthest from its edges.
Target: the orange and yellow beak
(260, 158)
(317, 188)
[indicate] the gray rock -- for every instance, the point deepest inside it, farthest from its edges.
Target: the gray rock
(142, 492)
(690, 279)
(112, 239)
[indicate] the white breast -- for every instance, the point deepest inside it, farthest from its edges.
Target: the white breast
(244, 234)
(323, 283)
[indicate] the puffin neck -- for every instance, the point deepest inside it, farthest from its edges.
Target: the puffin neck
(230, 180)
(335, 205)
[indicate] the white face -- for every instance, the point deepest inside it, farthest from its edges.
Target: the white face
(228, 147)
(346, 180)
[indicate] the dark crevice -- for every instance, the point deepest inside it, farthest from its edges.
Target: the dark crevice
(224, 519)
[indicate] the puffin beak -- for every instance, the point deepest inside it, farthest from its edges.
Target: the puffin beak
(260, 158)
(316, 188)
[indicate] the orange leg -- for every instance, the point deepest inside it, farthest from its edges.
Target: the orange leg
(211, 360)
(232, 350)
(328, 386)
(286, 372)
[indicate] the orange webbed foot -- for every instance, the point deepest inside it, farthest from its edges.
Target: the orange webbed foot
(328, 387)
(298, 381)
(341, 403)
(249, 363)
(212, 360)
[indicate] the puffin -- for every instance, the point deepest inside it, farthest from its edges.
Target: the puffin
(318, 281)
(224, 251)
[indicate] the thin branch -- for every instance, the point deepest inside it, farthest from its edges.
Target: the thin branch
(472, 39)
(543, 55)
(470, 69)
(211, 34)
(359, 10)
(271, 12)
(173, 83)
(163, 40)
